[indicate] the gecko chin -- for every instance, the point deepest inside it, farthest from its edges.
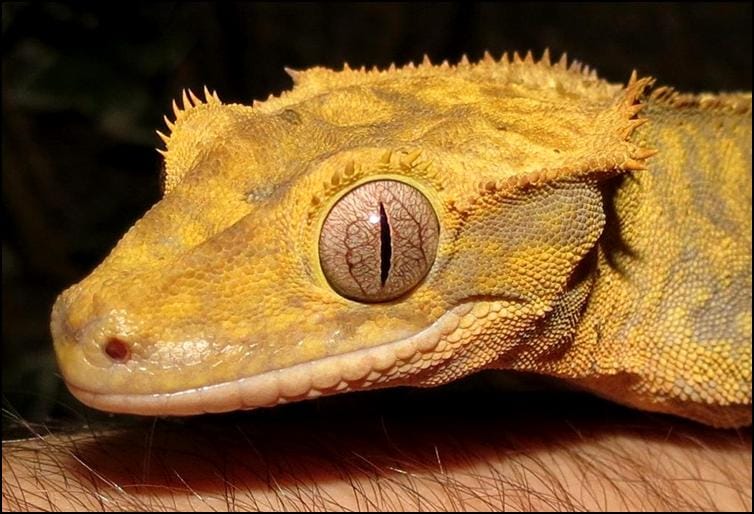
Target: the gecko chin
(385, 365)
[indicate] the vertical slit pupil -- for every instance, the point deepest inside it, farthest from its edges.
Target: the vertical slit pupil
(386, 246)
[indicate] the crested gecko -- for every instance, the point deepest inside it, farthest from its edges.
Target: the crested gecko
(410, 226)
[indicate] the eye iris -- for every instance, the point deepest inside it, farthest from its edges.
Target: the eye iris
(378, 241)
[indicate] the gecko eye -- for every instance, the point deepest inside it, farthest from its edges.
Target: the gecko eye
(379, 241)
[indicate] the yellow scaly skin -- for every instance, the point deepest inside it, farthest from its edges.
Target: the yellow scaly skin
(576, 240)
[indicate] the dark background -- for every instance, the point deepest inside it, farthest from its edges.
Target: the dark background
(85, 86)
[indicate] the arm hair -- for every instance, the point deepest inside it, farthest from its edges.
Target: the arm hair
(388, 451)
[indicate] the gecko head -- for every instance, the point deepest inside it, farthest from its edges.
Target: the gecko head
(364, 230)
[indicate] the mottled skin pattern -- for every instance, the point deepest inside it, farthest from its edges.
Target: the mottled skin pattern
(576, 240)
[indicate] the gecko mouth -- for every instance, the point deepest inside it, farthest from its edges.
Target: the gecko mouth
(380, 366)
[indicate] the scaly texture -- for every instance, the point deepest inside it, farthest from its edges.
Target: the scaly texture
(576, 239)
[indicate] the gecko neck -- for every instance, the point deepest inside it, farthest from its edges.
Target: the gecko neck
(674, 264)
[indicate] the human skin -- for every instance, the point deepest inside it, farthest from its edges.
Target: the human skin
(451, 449)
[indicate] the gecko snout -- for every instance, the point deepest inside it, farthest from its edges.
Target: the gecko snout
(102, 334)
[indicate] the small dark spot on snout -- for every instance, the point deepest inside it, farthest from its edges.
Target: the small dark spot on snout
(117, 349)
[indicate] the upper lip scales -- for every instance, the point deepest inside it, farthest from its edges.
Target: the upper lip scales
(62, 325)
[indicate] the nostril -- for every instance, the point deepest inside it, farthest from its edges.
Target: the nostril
(117, 349)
